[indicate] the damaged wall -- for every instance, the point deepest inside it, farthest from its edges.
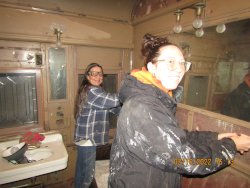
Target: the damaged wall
(31, 25)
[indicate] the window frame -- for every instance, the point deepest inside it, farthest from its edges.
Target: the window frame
(39, 127)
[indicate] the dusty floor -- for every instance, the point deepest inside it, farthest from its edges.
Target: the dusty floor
(102, 173)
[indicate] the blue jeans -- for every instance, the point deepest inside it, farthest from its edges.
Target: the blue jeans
(85, 166)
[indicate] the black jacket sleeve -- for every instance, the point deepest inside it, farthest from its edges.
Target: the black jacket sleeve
(201, 137)
(153, 136)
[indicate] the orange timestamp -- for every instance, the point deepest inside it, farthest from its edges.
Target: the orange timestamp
(219, 161)
(193, 161)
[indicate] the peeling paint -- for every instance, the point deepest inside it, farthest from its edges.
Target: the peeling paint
(132, 142)
(150, 116)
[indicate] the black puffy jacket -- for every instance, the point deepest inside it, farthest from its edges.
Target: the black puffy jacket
(150, 150)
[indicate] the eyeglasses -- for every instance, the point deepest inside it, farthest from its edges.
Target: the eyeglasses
(172, 64)
(95, 74)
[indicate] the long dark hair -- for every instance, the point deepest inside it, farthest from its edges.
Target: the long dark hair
(82, 91)
(150, 47)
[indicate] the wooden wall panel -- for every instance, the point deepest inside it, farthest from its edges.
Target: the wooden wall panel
(228, 177)
(109, 58)
(182, 116)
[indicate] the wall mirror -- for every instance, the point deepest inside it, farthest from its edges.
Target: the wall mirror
(220, 61)
(57, 73)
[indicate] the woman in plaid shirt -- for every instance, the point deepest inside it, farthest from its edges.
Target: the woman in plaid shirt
(92, 122)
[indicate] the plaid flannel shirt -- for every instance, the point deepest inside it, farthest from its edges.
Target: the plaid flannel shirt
(92, 121)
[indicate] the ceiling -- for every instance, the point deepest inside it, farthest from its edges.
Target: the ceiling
(114, 9)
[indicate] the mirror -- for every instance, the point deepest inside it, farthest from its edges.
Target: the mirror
(219, 63)
(57, 73)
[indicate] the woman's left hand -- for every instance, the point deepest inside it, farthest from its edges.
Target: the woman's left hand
(226, 135)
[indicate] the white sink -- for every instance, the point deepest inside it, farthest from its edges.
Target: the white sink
(38, 154)
(51, 156)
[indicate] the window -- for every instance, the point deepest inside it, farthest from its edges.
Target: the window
(20, 99)
(197, 91)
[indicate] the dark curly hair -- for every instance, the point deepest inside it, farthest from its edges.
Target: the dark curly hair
(150, 47)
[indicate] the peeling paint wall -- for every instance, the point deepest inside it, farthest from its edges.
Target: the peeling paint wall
(17, 24)
(121, 9)
(145, 7)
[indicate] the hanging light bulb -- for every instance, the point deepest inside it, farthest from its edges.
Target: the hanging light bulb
(177, 27)
(220, 28)
(199, 32)
(197, 23)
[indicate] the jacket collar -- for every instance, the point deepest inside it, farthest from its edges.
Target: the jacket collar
(132, 87)
(147, 78)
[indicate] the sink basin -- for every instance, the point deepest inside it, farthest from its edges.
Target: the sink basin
(38, 154)
(51, 156)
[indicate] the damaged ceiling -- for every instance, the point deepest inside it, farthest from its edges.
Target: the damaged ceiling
(122, 10)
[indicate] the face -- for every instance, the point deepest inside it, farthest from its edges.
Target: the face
(247, 79)
(169, 67)
(95, 76)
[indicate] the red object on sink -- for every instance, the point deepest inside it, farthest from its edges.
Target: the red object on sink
(32, 138)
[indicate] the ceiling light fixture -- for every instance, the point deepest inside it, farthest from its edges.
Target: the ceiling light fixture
(220, 28)
(197, 23)
(177, 27)
(58, 33)
(199, 32)
(58, 30)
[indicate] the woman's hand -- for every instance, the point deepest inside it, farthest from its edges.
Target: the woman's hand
(242, 143)
(227, 135)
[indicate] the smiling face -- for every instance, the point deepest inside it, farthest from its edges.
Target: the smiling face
(169, 67)
(95, 76)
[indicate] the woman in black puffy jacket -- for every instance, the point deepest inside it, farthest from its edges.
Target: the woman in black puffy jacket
(150, 149)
